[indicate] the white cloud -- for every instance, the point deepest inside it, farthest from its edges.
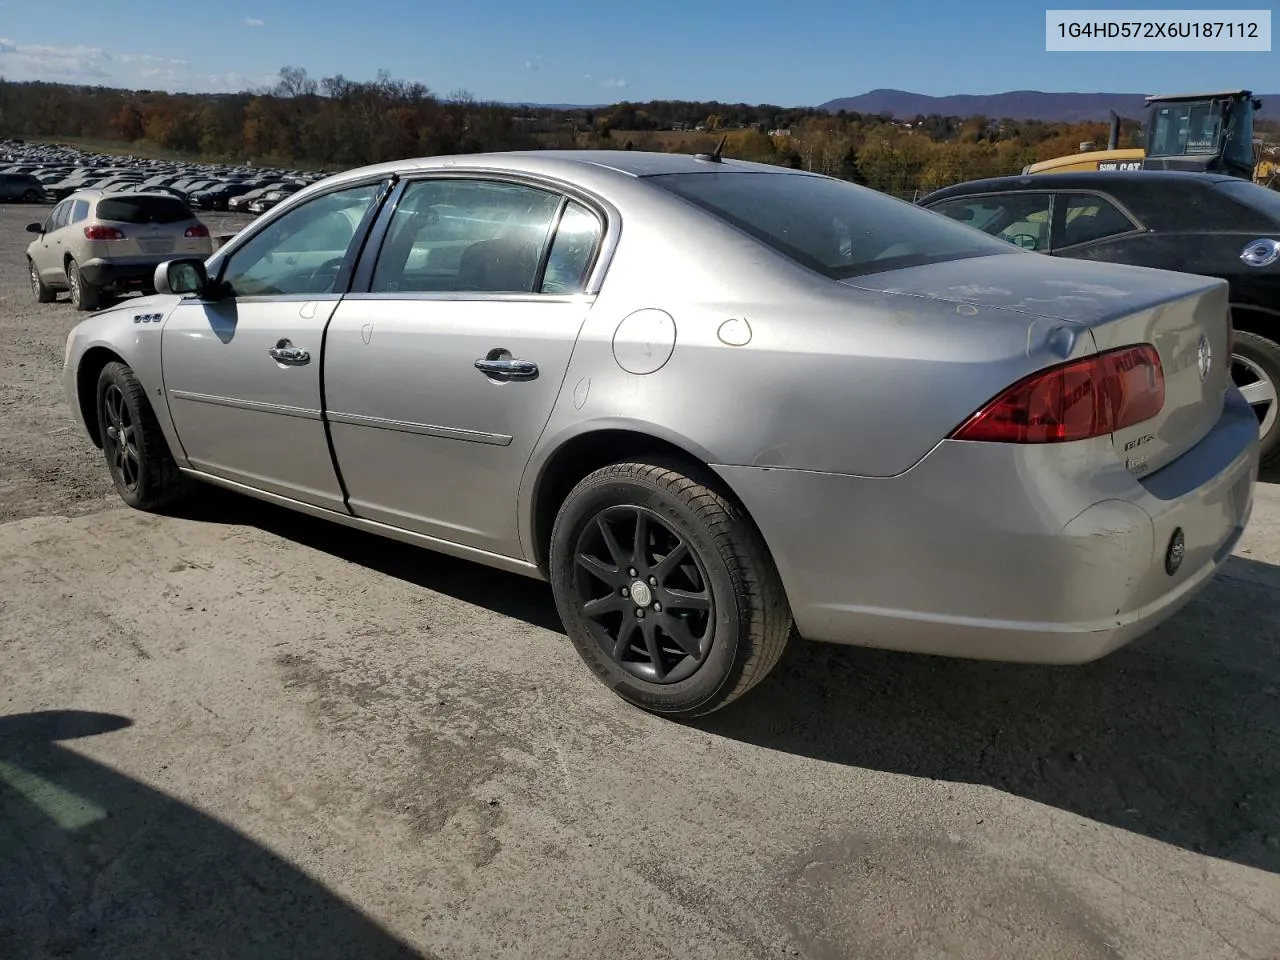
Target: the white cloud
(537, 63)
(40, 61)
(253, 22)
(148, 58)
(613, 82)
(96, 67)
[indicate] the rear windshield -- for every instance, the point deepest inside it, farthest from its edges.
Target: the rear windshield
(143, 210)
(831, 226)
(1263, 199)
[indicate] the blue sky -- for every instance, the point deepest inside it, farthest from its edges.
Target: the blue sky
(557, 51)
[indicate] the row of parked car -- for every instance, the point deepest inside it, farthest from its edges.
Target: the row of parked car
(43, 173)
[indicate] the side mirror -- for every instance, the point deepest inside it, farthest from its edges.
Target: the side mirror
(182, 277)
(35, 228)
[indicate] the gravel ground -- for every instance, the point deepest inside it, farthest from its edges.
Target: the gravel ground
(240, 733)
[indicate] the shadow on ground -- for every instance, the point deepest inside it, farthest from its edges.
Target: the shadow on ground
(96, 865)
(509, 594)
(1176, 736)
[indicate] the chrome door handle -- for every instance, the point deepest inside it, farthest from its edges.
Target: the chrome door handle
(508, 369)
(286, 353)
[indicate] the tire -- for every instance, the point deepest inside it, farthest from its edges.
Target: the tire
(42, 292)
(732, 615)
(31, 197)
(142, 469)
(83, 296)
(1255, 367)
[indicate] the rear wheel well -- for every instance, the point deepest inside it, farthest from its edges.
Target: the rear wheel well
(1256, 320)
(87, 374)
(591, 451)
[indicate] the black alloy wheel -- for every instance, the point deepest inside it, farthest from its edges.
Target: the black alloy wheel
(120, 440)
(644, 595)
(666, 587)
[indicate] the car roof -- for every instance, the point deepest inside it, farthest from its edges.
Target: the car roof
(97, 193)
(1080, 179)
(566, 164)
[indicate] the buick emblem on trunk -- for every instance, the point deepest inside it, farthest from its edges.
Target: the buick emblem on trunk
(1205, 357)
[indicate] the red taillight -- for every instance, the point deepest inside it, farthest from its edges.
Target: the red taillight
(199, 230)
(1075, 401)
(103, 233)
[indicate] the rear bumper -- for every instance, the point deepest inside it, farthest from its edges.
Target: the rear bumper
(133, 271)
(996, 551)
(100, 273)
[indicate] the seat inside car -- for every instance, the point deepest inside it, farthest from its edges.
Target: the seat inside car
(504, 264)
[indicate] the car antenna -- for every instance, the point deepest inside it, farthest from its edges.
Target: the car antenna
(715, 155)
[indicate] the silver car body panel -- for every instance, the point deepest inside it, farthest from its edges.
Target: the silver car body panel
(824, 406)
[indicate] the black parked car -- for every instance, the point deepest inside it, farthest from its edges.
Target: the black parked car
(216, 198)
(21, 186)
(1203, 223)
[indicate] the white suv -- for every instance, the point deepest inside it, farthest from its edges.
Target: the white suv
(95, 242)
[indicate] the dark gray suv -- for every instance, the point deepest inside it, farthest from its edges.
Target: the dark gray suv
(21, 186)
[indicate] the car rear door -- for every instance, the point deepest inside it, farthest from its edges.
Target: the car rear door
(443, 364)
(1082, 220)
(242, 372)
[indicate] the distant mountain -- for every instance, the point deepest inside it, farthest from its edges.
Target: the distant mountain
(1014, 105)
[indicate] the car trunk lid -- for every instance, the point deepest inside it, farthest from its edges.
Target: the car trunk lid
(1184, 316)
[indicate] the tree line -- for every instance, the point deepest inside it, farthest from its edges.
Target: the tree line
(335, 123)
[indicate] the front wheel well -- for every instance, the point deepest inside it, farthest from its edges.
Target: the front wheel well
(87, 374)
(589, 452)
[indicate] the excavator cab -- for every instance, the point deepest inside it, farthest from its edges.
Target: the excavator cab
(1207, 132)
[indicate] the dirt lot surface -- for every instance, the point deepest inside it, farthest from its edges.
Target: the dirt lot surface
(241, 733)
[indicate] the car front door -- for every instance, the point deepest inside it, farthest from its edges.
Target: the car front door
(51, 249)
(440, 376)
(242, 371)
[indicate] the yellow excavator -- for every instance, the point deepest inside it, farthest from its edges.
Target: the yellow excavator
(1208, 132)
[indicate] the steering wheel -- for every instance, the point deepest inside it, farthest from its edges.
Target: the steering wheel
(328, 267)
(1018, 238)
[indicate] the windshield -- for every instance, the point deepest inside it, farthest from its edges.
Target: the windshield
(151, 209)
(831, 226)
(1183, 129)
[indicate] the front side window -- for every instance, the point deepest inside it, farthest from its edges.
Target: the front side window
(1239, 146)
(1021, 219)
(302, 252)
(830, 226)
(1088, 218)
(472, 236)
(58, 217)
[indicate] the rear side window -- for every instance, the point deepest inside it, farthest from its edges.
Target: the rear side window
(79, 210)
(1088, 218)
(572, 250)
(143, 210)
(465, 235)
(833, 227)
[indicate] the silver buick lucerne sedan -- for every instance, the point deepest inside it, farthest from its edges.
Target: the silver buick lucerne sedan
(709, 401)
